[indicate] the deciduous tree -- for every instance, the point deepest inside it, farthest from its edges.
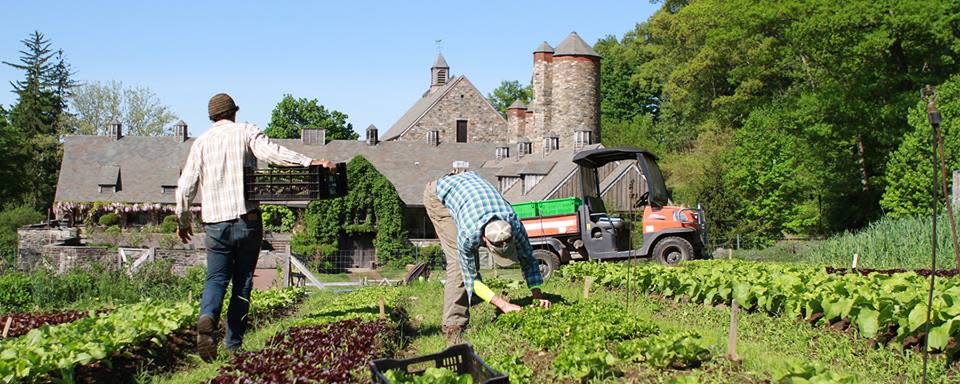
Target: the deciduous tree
(140, 111)
(506, 93)
(293, 114)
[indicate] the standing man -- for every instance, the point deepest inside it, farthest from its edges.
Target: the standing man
(232, 223)
(467, 213)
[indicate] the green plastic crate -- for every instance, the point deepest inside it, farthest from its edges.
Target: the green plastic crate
(566, 206)
(525, 210)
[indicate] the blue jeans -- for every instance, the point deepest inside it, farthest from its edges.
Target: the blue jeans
(232, 250)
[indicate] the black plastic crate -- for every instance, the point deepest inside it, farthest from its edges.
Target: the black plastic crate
(458, 358)
(295, 183)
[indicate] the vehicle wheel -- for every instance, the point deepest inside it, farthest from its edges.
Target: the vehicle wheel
(672, 250)
(549, 262)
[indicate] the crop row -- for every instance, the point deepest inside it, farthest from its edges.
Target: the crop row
(886, 307)
(867, 271)
(331, 344)
(595, 340)
(334, 352)
(57, 350)
(21, 323)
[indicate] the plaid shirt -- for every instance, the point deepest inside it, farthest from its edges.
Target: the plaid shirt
(472, 203)
(215, 164)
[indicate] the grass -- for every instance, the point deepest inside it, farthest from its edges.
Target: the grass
(887, 243)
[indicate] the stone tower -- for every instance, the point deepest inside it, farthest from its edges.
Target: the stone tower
(516, 121)
(575, 90)
(439, 73)
(541, 103)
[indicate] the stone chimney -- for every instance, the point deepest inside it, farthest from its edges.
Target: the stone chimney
(180, 131)
(372, 136)
(313, 136)
(433, 137)
(115, 129)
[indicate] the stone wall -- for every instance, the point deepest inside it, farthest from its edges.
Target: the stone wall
(30, 242)
(576, 99)
(463, 102)
(61, 258)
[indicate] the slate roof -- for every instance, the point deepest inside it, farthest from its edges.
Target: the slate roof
(146, 164)
(440, 63)
(517, 104)
(419, 109)
(538, 167)
(143, 164)
(543, 47)
(560, 163)
(573, 45)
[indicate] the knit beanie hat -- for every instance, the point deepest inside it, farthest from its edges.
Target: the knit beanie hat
(221, 103)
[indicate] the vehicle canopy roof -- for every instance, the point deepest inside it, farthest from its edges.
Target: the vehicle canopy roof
(598, 157)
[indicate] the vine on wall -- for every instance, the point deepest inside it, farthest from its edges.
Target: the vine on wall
(371, 206)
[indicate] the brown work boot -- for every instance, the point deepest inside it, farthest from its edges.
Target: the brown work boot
(453, 334)
(206, 338)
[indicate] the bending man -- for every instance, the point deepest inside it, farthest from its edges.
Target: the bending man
(467, 213)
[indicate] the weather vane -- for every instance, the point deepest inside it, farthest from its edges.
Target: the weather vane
(438, 41)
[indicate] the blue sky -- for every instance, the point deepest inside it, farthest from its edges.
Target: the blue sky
(368, 59)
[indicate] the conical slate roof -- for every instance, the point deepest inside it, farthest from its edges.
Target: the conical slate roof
(573, 45)
(440, 63)
(517, 104)
(372, 127)
(543, 47)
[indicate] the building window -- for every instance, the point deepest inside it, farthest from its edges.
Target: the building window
(506, 182)
(530, 181)
(168, 189)
(461, 131)
(441, 76)
(524, 148)
(107, 188)
(582, 139)
(503, 153)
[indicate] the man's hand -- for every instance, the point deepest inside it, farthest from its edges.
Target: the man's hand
(326, 164)
(185, 234)
(539, 300)
(504, 305)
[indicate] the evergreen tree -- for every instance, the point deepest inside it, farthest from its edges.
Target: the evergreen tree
(41, 104)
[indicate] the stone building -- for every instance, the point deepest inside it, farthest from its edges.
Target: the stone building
(528, 154)
(451, 110)
(566, 98)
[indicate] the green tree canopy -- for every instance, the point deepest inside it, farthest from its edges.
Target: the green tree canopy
(826, 84)
(506, 93)
(140, 111)
(36, 120)
(293, 114)
(909, 176)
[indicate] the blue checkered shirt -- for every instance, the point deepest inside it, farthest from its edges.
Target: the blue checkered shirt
(473, 202)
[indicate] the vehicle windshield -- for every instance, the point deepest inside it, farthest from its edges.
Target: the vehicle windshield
(591, 187)
(655, 185)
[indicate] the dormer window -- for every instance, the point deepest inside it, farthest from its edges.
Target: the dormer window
(168, 189)
(524, 148)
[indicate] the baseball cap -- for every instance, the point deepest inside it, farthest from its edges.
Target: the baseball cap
(498, 237)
